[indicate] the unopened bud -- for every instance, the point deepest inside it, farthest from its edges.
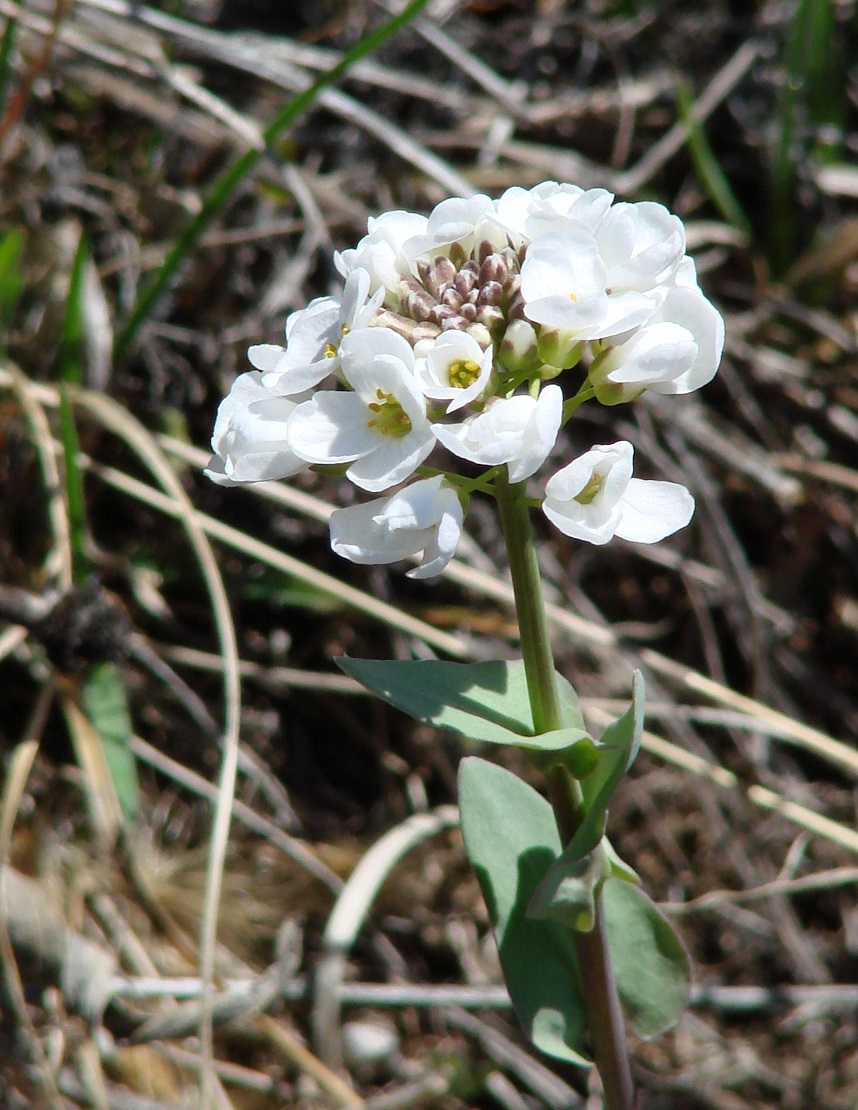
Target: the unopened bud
(481, 333)
(494, 268)
(469, 311)
(465, 281)
(439, 273)
(451, 297)
(490, 293)
(519, 347)
(419, 304)
(559, 348)
(442, 314)
(492, 317)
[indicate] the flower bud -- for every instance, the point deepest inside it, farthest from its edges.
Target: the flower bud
(496, 267)
(481, 333)
(469, 311)
(451, 297)
(465, 281)
(419, 304)
(492, 317)
(518, 349)
(490, 293)
(438, 274)
(444, 316)
(559, 348)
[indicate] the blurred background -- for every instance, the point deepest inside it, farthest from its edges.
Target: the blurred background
(175, 180)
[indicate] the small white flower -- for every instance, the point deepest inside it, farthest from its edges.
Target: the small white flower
(595, 498)
(250, 442)
(313, 337)
(380, 252)
(677, 351)
(564, 285)
(380, 427)
(455, 369)
(519, 431)
(424, 517)
(456, 220)
(641, 245)
(556, 208)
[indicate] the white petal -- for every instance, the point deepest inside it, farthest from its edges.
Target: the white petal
(653, 510)
(331, 428)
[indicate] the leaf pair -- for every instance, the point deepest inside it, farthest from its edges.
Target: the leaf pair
(538, 892)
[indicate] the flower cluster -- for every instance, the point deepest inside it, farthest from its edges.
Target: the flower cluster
(479, 330)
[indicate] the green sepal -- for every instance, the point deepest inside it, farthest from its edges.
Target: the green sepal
(649, 959)
(484, 701)
(511, 839)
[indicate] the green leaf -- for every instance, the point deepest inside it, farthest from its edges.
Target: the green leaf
(511, 839)
(618, 748)
(567, 893)
(649, 959)
(485, 701)
(107, 708)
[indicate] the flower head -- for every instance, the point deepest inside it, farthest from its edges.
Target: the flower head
(250, 441)
(380, 426)
(519, 431)
(595, 498)
(424, 517)
(455, 329)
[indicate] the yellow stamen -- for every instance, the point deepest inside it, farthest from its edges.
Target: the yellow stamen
(463, 372)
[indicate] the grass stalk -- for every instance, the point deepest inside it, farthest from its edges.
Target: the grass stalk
(223, 189)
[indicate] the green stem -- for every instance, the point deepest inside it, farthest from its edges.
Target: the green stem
(604, 1016)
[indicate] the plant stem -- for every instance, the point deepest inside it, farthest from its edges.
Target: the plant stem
(604, 1016)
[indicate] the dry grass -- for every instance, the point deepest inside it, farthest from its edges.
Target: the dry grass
(349, 956)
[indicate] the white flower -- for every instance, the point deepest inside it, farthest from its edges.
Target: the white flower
(381, 427)
(455, 369)
(595, 497)
(554, 207)
(380, 252)
(564, 285)
(519, 431)
(677, 351)
(313, 337)
(456, 220)
(641, 245)
(424, 517)
(250, 442)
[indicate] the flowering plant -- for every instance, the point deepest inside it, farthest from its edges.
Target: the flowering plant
(477, 332)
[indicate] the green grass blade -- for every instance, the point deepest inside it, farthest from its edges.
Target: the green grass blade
(709, 171)
(227, 183)
(70, 360)
(813, 99)
(7, 44)
(106, 707)
(11, 279)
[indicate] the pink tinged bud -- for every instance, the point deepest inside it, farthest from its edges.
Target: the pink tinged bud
(439, 273)
(491, 316)
(443, 315)
(468, 312)
(494, 268)
(490, 293)
(452, 298)
(465, 282)
(419, 304)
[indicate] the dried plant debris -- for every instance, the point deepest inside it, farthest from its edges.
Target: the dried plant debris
(118, 122)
